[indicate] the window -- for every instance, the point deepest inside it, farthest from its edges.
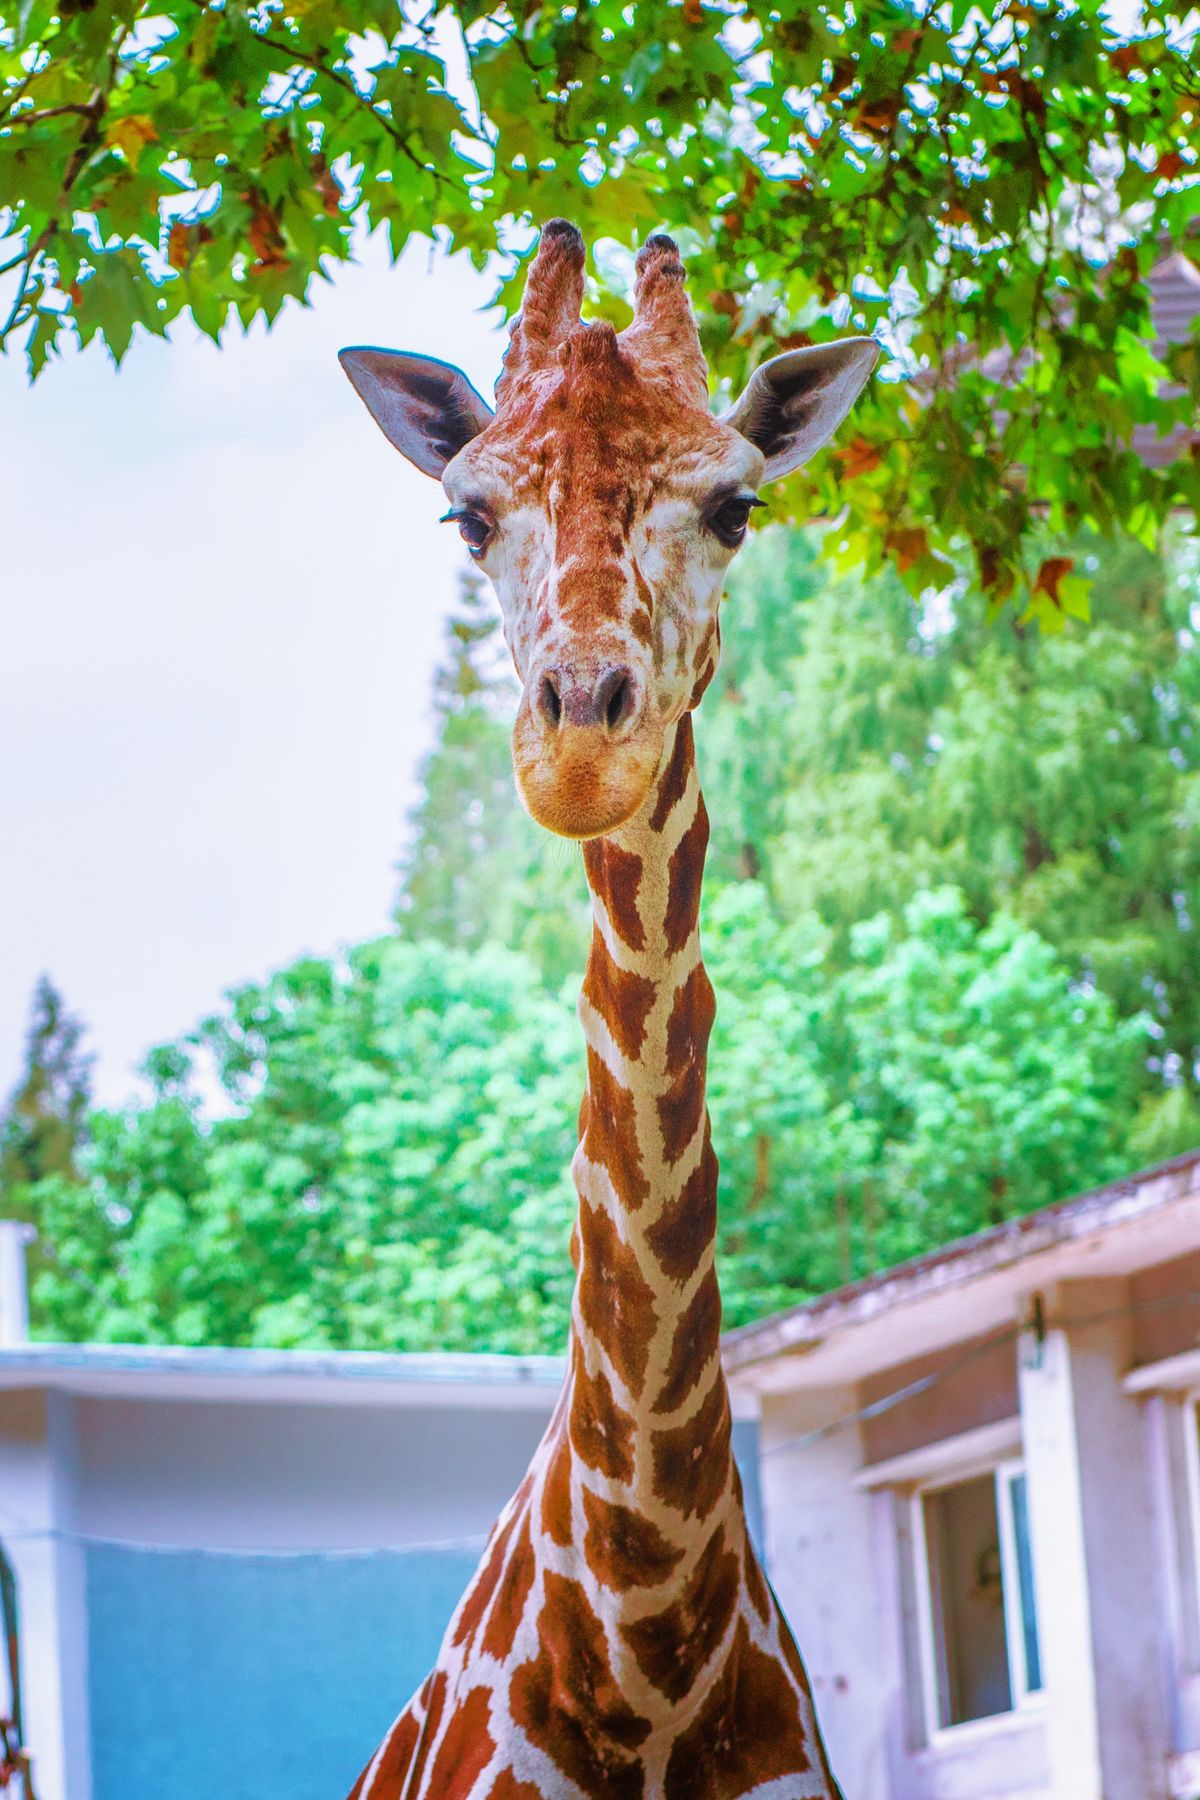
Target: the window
(979, 1625)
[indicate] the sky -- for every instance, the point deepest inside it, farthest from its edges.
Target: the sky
(222, 597)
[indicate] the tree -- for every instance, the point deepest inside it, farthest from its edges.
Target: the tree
(942, 1078)
(1054, 779)
(392, 1170)
(476, 868)
(45, 1121)
(991, 189)
(390, 1173)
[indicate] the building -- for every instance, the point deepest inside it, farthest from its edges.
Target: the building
(234, 1566)
(981, 1489)
(980, 1475)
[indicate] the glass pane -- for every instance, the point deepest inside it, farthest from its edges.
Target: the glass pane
(1029, 1631)
(967, 1591)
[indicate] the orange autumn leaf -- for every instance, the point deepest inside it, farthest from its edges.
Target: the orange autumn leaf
(693, 12)
(1170, 165)
(130, 136)
(1126, 57)
(908, 546)
(878, 117)
(859, 457)
(179, 249)
(266, 236)
(995, 575)
(1052, 571)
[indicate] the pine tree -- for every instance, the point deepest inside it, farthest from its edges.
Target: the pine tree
(476, 869)
(45, 1121)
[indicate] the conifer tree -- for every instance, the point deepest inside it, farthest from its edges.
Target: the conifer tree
(45, 1121)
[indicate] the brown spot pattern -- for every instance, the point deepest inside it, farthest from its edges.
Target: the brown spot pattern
(748, 1731)
(695, 1345)
(556, 1495)
(507, 1787)
(567, 1701)
(684, 873)
(622, 999)
(680, 1115)
(610, 1139)
(702, 683)
(624, 1550)
(617, 1304)
(434, 1694)
(393, 1764)
(511, 1595)
(691, 1461)
(484, 1585)
(616, 875)
(673, 783)
(686, 1226)
(692, 1013)
(466, 1749)
(600, 1431)
(673, 1646)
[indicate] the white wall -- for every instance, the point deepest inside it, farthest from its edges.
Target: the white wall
(37, 1506)
(819, 1554)
(216, 1474)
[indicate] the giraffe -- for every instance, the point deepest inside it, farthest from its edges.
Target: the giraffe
(619, 1640)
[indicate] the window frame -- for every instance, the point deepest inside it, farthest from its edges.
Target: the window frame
(1025, 1700)
(1191, 1463)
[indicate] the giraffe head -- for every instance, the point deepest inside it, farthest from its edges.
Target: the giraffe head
(605, 502)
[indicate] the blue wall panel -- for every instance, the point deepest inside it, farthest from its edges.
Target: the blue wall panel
(236, 1677)
(245, 1676)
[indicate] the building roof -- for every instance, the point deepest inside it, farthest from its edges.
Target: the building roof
(972, 1286)
(962, 1291)
(340, 1377)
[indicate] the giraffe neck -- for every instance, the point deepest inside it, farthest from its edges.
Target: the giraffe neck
(646, 1313)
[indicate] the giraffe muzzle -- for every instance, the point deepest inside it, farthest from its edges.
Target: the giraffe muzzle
(585, 747)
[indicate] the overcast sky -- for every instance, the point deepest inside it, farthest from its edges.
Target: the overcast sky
(222, 596)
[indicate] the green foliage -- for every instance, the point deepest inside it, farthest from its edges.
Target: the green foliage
(950, 920)
(1056, 780)
(990, 189)
(391, 1172)
(945, 1078)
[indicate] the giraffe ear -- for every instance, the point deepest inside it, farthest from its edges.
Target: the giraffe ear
(795, 402)
(426, 408)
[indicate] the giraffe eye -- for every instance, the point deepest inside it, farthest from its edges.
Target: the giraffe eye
(728, 520)
(474, 529)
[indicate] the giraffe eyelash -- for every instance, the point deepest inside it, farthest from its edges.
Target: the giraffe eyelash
(468, 519)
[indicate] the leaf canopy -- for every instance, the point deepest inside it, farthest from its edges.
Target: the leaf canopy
(988, 191)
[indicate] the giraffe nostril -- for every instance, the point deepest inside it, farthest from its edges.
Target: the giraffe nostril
(615, 710)
(550, 701)
(614, 698)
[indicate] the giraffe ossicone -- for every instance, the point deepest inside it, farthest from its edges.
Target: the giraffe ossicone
(619, 1640)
